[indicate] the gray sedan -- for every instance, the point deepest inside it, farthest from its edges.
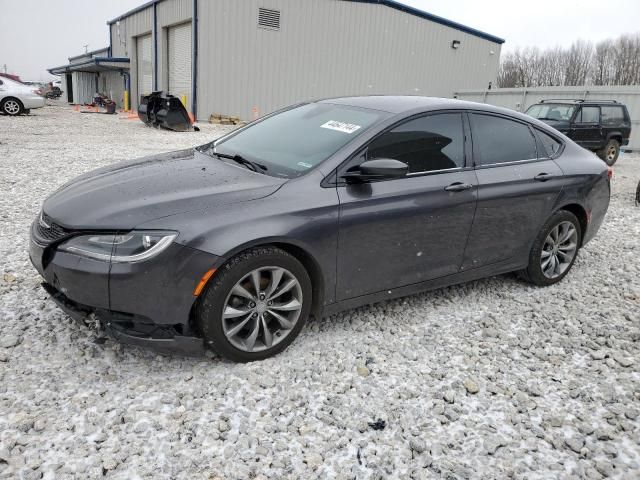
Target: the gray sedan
(317, 208)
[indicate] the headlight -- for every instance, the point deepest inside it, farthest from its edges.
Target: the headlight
(126, 248)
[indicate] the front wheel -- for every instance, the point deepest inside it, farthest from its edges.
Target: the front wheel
(610, 152)
(255, 305)
(555, 249)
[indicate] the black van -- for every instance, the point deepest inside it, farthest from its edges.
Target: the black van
(602, 126)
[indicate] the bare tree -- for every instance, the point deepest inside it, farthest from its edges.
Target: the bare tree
(610, 62)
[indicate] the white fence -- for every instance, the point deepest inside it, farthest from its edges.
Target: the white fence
(522, 98)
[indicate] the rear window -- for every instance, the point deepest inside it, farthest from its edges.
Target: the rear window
(551, 145)
(499, 140)
(612, 115)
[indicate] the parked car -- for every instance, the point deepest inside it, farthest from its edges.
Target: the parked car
(602, 126)
(317, 208)
(17, 98)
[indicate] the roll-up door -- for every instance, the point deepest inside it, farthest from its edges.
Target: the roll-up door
(179, 59)
(145, 65)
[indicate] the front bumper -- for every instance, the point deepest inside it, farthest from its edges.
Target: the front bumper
(147, 304)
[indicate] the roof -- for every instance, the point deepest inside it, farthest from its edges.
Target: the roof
(399, 103)
(388, 3)
(89, 54)
(96, 64)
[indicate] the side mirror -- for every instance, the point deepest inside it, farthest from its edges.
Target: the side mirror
(378, 169)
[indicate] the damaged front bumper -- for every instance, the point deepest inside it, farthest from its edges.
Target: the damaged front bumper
(149, 304)
(129, 329)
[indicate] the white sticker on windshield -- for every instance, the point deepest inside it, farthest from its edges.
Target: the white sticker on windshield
(340, 126)
(305, 165)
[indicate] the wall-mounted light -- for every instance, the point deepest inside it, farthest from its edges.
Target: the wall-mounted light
(455, 44)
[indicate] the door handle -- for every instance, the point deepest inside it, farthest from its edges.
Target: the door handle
(458, 187)
(543, 177)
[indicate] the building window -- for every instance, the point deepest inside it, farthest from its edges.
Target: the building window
(269, 19)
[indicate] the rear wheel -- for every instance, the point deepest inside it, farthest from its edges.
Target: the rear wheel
(11, 106)
(554, 250)
(610, 152)
(255, 305)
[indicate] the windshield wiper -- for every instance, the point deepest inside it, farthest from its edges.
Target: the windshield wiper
(251, 165)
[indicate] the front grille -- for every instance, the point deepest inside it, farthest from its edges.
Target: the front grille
(48, 231)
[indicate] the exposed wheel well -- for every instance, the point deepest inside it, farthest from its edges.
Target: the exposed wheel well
(581, 214)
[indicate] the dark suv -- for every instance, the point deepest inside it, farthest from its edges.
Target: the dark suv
(602, 126)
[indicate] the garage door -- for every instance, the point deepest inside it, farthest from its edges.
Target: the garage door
(145, 65)
(179, 59)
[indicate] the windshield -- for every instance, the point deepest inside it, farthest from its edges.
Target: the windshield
(293, 142)
(551, 111)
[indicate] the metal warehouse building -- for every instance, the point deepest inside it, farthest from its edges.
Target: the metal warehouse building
(249, 57)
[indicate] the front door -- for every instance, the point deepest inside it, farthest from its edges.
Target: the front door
(404, 231)
(517, 189)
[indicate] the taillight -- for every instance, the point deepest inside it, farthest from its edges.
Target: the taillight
(609, 173)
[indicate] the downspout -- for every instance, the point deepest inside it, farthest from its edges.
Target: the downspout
(194, 62)
(155, 46)
(110, 42)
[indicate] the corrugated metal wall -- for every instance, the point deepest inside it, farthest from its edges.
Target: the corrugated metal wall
(123, 43)
(324, 48)
(522, 98)
(169, 12)
(84, 87)
(328, 48)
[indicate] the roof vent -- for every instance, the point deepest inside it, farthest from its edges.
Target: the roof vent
(268, 18)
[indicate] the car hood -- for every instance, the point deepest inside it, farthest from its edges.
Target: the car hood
(127, 194)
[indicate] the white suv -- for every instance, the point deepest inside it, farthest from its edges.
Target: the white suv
(17, 98)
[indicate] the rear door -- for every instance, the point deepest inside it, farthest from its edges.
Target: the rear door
(144, 64)
(179, 60)
(586, 129)
(407, 230)
(517, 189)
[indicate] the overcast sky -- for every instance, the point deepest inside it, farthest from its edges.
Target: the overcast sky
(40, 34)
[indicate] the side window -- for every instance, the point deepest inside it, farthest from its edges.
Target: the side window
(612, 116)
(434, 142)
(550, 144)
(588, 115)
(499, 140)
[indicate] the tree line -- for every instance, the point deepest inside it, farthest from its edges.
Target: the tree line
(608, 62)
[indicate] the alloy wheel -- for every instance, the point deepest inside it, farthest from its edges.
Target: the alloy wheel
(11, 107)
(611, 153)
(262, 309)
(559, 249)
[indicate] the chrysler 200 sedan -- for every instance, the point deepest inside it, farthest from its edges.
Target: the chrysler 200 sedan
(320, 207)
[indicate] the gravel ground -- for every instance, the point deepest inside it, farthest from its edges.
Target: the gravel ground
(491, 379)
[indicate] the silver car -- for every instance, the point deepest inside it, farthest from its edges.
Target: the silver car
(17, 98)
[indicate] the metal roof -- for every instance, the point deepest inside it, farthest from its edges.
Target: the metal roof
(89, 54)
(96, 64)
(388, 3)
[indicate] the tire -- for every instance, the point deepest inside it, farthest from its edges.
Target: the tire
(610, 152)
(535, 273)
(11, 106)
(276, 323)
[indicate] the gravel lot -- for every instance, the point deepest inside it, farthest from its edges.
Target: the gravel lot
(491, 379)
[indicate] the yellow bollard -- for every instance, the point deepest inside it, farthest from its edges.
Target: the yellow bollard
(126, 100)
(183, 99)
